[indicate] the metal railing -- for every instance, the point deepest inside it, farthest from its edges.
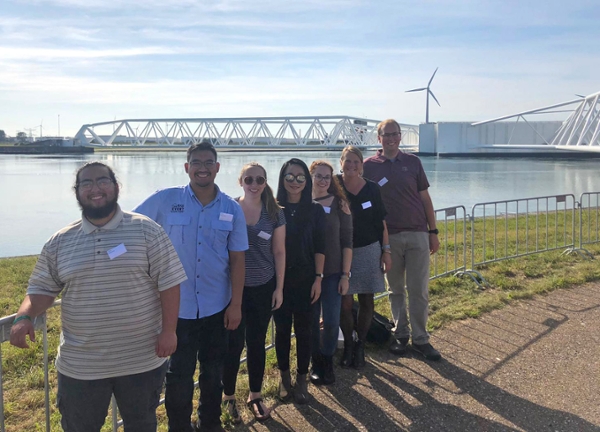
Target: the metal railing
(539, 224)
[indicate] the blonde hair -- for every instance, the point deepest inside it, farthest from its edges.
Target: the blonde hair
(354, 150)
(384, 123)
(267, 197)
(335, 188)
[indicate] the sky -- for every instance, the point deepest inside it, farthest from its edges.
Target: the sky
(88, 61)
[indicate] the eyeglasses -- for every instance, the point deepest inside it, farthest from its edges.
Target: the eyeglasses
(102, 183)
(300, 178)
(207, 164)
(319, 177)
(260, 180)
(390, 134)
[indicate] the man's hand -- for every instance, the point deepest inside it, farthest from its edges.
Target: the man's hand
(343, 286)
(166, 344)
(315, 291)
(434, 243)
(19, 331)
(233, 317)
(277, 299)
(386, 262)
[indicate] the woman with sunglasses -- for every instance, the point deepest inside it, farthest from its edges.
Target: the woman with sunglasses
(263, 289)
(328, 192)
(371, 254)
(305, 258)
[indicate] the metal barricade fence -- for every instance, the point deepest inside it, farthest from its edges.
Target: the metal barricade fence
(452, 255)
(589, 218)
(512, 228)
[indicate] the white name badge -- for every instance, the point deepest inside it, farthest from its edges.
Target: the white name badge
(227, 217)
(366, 205)
(382, 181)
(264, 235)
(116, 251)
(327, 209)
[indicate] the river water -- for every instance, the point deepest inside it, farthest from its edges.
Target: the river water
(37, 196)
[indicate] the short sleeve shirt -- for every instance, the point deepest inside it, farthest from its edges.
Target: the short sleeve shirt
(110, 278)
(401, 179)
(202, 236)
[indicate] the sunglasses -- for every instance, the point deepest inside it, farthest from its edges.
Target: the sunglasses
(300, 178)
(260, 180)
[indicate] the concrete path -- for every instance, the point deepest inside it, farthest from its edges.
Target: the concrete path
(532, 366)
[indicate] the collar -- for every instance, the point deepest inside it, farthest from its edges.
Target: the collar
(382, 158)
(112, 224)
(193, 196)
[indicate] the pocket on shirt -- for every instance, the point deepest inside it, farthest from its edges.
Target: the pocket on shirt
(220, 236)
(176, 227)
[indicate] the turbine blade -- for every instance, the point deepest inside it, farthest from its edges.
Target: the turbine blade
(431, 79)
(416, 90)
(433, 96)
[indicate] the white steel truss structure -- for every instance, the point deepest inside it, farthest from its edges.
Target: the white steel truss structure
(579, 132)
(240, 132)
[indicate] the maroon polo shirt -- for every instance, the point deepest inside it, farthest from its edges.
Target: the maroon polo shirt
(405, 179)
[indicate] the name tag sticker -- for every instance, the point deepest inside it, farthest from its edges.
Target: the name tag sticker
(264, 235)
(116, 251)
(366, 205)
(227, 217)
(327, 209)
(382, 181)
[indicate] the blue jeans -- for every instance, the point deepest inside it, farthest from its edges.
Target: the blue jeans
(329, 304)
(83, 404)
(201, 340)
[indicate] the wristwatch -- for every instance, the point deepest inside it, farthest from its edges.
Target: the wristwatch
(319, 275)
(346, 275)
(434, 231)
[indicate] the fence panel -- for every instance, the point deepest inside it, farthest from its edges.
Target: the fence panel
(452, 255)
(589, 218)
(512, 228)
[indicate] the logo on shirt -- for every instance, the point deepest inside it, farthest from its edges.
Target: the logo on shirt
(404, 168)
(177, 208)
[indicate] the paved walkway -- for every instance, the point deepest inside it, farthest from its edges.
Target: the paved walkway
(532, 366)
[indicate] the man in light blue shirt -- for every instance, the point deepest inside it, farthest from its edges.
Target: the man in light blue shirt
(208, 230)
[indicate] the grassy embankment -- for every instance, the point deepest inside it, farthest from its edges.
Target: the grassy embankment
(451, 298)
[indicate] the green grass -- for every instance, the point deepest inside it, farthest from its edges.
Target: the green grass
(451, 298)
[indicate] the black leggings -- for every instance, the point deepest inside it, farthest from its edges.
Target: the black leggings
(256, 313)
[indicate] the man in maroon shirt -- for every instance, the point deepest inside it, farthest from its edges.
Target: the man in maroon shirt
(413, 237)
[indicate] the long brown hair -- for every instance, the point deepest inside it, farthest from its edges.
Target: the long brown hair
(335, 188)
(267, 197)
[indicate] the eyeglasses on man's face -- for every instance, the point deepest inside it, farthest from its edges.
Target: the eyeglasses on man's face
(319, 177)
(102, 183)
(390, 134)
(209, 164)
(260, 180)
(300, 178)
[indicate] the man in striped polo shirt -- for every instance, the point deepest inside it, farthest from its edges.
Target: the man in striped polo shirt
(119, 276)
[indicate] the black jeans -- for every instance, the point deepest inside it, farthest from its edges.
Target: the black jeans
(203, 340)
(256, 313)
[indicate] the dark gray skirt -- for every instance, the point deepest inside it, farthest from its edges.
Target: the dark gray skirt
(367, 276)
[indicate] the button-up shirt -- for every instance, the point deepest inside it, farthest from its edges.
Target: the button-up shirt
(400, 180)
(202, 236)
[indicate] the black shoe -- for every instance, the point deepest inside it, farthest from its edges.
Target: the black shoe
(230, 407)
(427, 351)
(301, 390)
(346, 360)
(328, 374)
(358, 362)
(316, 370)
(399, 346)
(285, 387)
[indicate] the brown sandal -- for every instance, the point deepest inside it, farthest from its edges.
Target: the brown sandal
(256, 406)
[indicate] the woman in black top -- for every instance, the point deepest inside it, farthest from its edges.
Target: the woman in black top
(371, 254)
(305, 249)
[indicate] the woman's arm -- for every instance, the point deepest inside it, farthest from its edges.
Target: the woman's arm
(386, 254)
(278, 248)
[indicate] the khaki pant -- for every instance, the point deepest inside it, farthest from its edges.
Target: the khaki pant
(410, 273)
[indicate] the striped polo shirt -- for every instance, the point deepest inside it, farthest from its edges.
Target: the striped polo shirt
(110, 278)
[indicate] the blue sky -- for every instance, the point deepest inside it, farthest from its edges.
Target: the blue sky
(94, 60)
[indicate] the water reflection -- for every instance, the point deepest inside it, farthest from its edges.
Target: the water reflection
(38, 197)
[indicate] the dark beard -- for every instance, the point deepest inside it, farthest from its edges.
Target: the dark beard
(94, 213)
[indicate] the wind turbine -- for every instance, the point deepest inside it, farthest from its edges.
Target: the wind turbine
(429, 92)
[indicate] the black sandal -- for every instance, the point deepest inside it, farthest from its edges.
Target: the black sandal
(255, 405)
